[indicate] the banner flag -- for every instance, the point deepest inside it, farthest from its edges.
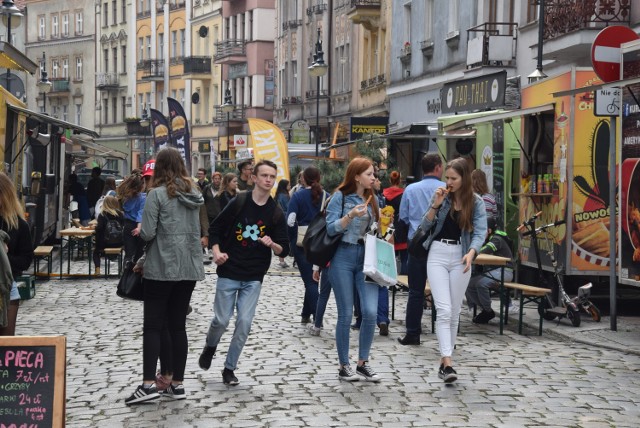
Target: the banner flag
(160, 130)
(269, 144)
(180, 138)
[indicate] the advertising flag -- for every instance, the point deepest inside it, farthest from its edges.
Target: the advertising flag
(160, 129)
(269, 144)
(180, 131)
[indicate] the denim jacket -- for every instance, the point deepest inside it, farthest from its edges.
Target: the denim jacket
(474, 239)
(351, 234)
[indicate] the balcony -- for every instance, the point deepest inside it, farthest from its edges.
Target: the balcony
(197, 67)
(134, 128)
(107, 81)
(230, 51)
(152, 69)
(366, 13)
(60, 85)
(570, 27)
(237, 115)
(374, 82)
(312, 95)
(317, 9)
(291, 24)
(143, 14)
(492, 44)
(291, 100)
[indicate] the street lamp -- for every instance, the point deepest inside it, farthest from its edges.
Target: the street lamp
(145, 121)
(538, 74)
(9, 9)
(44, 84)
(317, 70)
(227, 107)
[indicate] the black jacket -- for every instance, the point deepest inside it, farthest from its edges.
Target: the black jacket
(20, 246)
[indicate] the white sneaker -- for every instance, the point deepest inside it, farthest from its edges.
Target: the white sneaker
(315, 331)
(515, 310)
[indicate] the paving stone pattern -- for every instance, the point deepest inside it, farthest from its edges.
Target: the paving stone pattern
(288, 378)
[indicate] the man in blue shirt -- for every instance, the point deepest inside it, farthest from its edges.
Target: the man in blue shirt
(415, 201)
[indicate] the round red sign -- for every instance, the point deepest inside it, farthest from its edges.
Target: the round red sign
(605, 51)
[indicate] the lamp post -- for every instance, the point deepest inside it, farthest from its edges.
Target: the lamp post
(9, 9)
(317, 70)
(538, 74)
(227, 107)
(44, 84)
(144, 123)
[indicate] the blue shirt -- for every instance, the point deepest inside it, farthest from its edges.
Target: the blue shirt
(415, 201)
(133, 207)
(305, 210)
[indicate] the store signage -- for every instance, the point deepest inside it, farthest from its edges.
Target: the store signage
(361, 126)
(479, 93)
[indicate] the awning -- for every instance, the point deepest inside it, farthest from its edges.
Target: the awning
(12, 58)
(53, 121)
(614, 84)
(459, 133)
(511, 114)
(415, 131)
(100, 150)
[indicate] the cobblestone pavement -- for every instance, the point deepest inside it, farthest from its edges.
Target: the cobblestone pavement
(288, 378)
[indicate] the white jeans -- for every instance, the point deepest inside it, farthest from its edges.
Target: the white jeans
(448, 285)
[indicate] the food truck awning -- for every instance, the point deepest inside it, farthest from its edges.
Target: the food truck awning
(12, 58)
(52, 120)
(100, 150)
(511, 114)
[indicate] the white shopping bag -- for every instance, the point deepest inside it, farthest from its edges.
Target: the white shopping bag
(380, 261)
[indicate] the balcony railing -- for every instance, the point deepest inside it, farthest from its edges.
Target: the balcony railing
(564, 16)
(197, 64)
(314, 94)
(238, 114)
(152, 68)
(291, 100)
(60, 84)
(373, 82)
(318, 9)
(294, 23)
(143, 14)
(230, 47)
(107, 80)
(358, 3)
(492, 44)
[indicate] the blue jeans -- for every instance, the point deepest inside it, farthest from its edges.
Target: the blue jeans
(323, 298)
(244, 296)
(346, 276)
(417, 273)
(311, 287)
(383, 306)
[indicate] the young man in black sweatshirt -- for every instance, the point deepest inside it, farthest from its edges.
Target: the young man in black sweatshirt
(243, 237)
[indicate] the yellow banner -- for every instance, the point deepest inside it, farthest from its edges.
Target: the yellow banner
(269, 143)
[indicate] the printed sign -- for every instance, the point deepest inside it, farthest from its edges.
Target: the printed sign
(240, 141)
(478, 93)
(32, 381)
(607, 102)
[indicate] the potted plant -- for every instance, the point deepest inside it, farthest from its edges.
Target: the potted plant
(406, 48)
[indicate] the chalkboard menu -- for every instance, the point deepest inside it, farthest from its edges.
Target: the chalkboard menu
(32, 381)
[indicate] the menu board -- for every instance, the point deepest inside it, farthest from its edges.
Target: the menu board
(32, 381)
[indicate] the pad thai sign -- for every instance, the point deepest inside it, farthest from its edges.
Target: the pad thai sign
(478, 93)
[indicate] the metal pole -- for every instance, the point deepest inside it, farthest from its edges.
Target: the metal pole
(613, 285)
(318, 116)
(44, 70)
(540, 34)
(9, 41)
(228, 126)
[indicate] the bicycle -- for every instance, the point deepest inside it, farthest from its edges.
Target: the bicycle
(567, 306)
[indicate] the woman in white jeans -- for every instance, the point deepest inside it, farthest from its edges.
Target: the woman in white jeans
(459, 221)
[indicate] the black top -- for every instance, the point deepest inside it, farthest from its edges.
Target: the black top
(100, 230)
(450, 228)
(20, 246)
(238, 235)
(94, 190)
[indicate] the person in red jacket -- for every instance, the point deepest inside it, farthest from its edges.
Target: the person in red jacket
(393, 196)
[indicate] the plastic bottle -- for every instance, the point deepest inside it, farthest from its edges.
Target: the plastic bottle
(533, 184)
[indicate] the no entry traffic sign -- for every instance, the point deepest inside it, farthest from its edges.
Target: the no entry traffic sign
(605, 51)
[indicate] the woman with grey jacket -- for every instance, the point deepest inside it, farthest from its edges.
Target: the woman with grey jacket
(173, 264)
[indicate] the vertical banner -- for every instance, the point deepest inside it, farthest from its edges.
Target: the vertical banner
(160, 129)
(269, 144)
(180, 131)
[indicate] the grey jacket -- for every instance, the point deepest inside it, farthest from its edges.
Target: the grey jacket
(174, 227)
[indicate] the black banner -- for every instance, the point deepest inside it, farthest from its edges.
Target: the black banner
(160, 129)
(180, 138)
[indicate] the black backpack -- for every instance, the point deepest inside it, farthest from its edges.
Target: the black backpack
(113, 232)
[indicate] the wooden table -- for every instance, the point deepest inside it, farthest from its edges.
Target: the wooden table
(73, 235)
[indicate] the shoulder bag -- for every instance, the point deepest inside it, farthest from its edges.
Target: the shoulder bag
(130, 285)
(319, 247)
(415, 246)
(302, 230)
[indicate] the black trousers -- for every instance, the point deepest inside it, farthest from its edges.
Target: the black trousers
(133, 245)
(165, 309)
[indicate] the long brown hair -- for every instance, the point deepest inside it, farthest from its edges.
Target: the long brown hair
(479, 180)
(224, 186)
(171, 172)
(311, 177)
(10, 208)
(349, 185)
(464, 196)
(130, 187)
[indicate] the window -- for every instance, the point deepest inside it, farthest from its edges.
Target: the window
(161, 46)
(78, 113)
(182, 37)
(115, 59)
(428, 28)
(140, 49)
(65, 68)
(454, 25)
(174, 44)
(124, 12)
(79, 24)
(105, 14)
(54, 26)
(123, 107)
(65, 112)
(124, 58)
(114, 116)
(114, 12)
(78, 68)
(42, 28)
(141, 104)
(532, 12)
(55, 68)
(65, 25)
(105, 57)
(407, 25)
(181, 96)
(149, 47)
(105, 110)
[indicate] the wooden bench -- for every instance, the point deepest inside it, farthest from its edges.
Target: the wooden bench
(110, 254)
(43, 253)
(529, 294)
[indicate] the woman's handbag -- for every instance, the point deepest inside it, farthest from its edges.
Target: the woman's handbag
(415, 247)
(302, 230)
(380, 261)
(130, 285)
(319, 247)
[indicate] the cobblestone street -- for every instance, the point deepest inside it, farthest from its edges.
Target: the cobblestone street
(289, 378)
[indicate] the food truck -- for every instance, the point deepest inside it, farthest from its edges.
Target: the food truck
(565, 174)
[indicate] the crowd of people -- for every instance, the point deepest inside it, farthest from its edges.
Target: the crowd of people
(166, 220)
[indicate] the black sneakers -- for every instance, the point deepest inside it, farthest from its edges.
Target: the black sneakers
(228, 378)
(448, 374)
(142, 395)
(367, 372)
(205, 358)
(347, 374)
(484, 317)
(384, 329)
(409, 340)
(175, 392)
